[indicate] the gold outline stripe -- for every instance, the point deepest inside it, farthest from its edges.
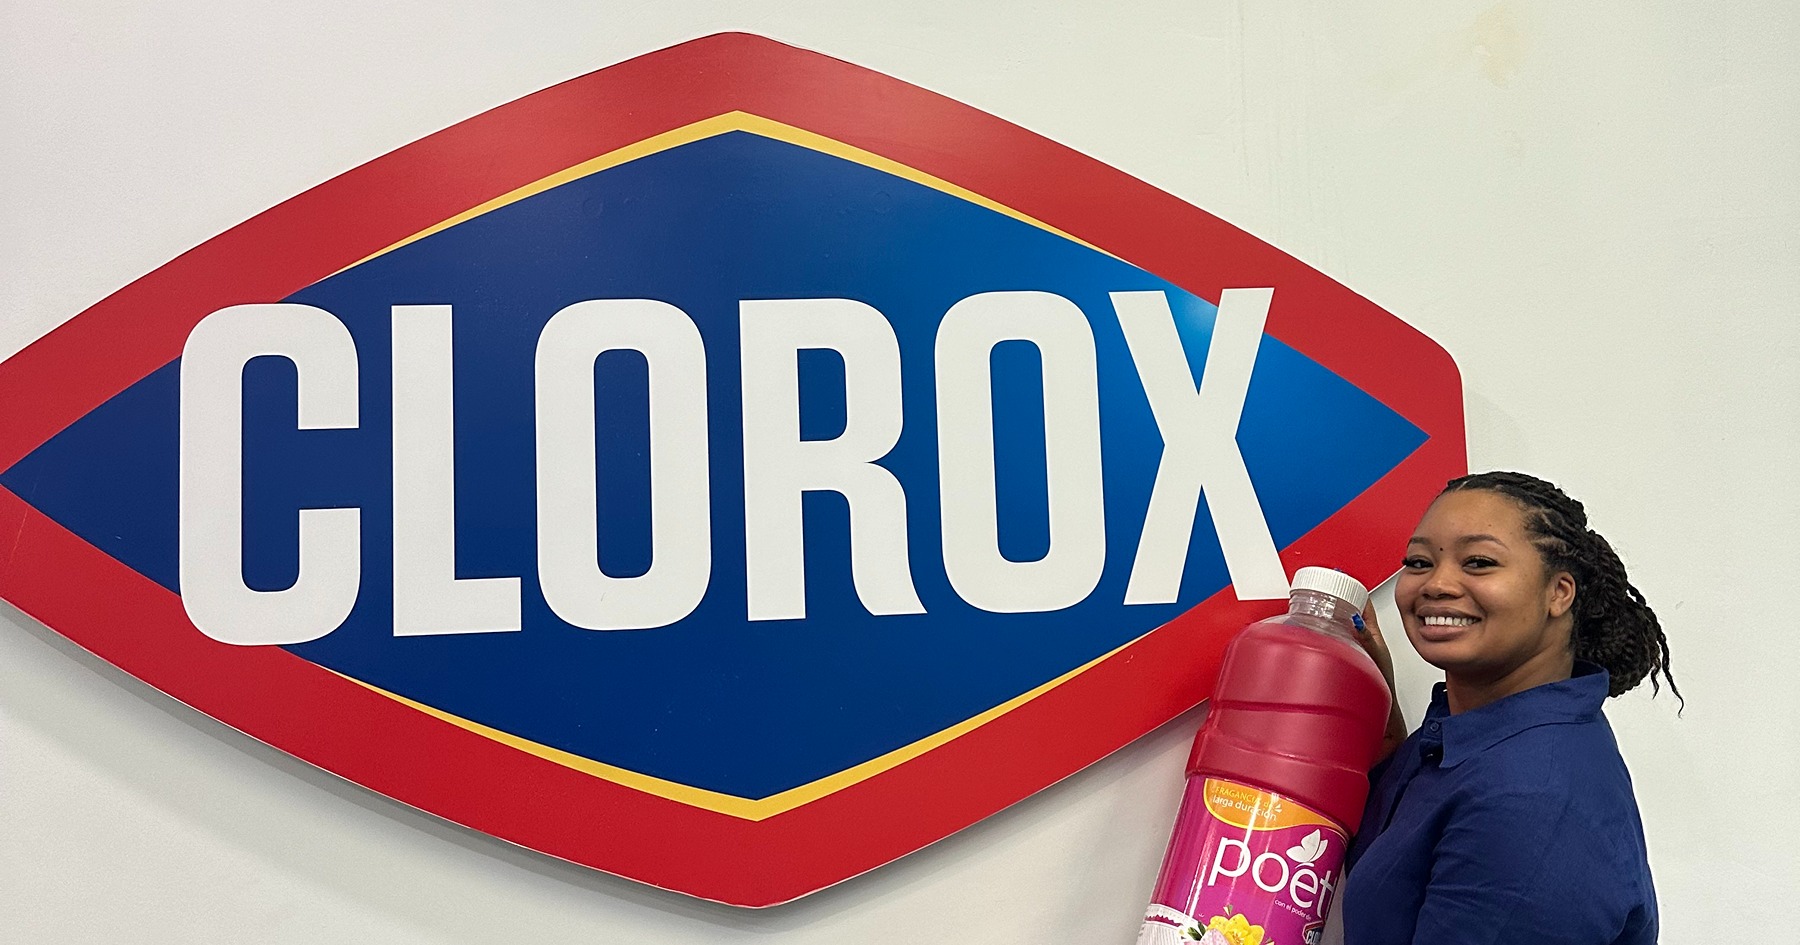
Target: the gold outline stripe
(712, 127)
(752, 809)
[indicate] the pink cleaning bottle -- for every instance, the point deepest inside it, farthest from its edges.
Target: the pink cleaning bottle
(1277, 778)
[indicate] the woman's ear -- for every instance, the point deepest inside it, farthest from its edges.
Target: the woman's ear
(1562, 593)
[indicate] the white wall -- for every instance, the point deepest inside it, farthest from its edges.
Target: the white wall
(1593, 206)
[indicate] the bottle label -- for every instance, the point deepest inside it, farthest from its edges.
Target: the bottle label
(1246, 867)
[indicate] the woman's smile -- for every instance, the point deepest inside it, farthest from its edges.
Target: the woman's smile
(1438, 628)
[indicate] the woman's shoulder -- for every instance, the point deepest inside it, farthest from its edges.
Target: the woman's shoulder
(1566, 757)
(1571, 773)
(1556, 732)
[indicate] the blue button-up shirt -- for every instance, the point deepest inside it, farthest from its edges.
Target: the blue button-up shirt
(1514, 822)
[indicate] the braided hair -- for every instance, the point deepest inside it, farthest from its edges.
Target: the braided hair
(1614, 626)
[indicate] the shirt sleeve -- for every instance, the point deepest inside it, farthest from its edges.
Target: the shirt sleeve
(1379, 800)
(1520, 867)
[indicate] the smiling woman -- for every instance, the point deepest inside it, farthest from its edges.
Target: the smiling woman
(1509, 815)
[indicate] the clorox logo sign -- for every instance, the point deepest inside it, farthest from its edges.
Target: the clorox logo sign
(732, 469)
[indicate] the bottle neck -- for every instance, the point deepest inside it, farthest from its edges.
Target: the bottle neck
(1315, 604)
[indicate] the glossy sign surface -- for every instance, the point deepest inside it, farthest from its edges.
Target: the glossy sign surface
(814, 701)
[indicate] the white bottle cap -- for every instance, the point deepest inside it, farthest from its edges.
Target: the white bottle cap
(1336, 583)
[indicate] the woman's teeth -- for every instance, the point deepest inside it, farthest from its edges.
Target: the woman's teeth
(1448, 621)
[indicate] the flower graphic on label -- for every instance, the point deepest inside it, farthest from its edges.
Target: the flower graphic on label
(1309, 849)
(1235, 930)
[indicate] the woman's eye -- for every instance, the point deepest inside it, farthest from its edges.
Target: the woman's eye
(1479, 563)
(1415, 564)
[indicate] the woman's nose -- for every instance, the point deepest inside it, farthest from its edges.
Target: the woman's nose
(1441, 583)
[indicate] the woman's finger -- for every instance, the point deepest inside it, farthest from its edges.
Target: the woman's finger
(1369, 623)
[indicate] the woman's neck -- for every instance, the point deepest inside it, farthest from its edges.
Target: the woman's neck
(1472, 692)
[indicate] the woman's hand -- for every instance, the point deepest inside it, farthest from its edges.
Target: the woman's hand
(1377, 648)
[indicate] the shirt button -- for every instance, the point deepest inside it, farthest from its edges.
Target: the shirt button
(1434, 728)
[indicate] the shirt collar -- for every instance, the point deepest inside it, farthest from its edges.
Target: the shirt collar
(1576, 699)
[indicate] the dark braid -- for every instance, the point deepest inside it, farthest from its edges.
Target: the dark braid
(1614, 626)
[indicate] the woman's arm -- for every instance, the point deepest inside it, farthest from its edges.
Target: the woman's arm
(1378, 650)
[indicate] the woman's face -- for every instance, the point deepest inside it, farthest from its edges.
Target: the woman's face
(1474, 594)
